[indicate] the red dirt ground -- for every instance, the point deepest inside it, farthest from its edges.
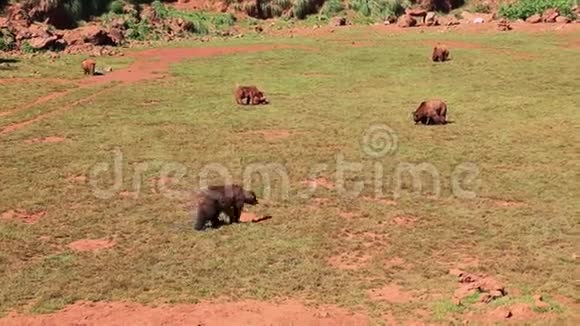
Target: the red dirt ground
(271, 135)
(248, 217)
(348, 215)
(40, 100)
(45, 140)
(154, 63)
(91, 245)
(520, 313)
(349, 261)
(78, 178)
(394, 262)
(250, 312)
(507, 203)
(391, 293)
(320, 181)
(405, 220)
(384, 201)
(148, 64)
(22, 215)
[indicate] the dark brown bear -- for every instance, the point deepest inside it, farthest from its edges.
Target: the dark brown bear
(229, 199)
(249, 94)
(440, 53)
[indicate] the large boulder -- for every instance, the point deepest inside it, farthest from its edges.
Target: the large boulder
(97, 35)
(534, 19)
(116, 36)
(406, 21)
(431, 19)
(550, 15)
(40, 43)
(563, 20)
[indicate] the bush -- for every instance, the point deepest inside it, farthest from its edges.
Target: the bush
(526, 8)
(331, 8)
(264, 9)
(303, 8)
(116, 6)
(481, 8)
(25, 47)
(7, 42)
(379, 8)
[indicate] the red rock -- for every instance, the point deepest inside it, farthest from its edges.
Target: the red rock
(550, 15)
(406, 21)
(116, 35)
(534, 19)
(431, 19)
(42, 42)
(563, 20)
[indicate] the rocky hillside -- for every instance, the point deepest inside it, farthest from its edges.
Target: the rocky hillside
(97, 26)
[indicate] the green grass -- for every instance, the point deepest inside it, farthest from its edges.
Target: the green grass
(514, 118)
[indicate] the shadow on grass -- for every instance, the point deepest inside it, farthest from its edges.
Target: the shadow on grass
(9, 60)
(4, 63)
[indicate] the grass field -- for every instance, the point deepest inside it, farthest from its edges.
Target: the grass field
(514, 101)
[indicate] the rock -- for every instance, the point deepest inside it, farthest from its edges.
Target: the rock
(148, 13)
(180, 26)
(40, 43)
(504, 25)
(534, 19)
(406, 21)
(451, 21)
(550, 15)
(116, 35)
(431, 19)
(119, 23)
(563, 20)
(416, 12)
(390, 20)
(338, 21)
(95, 35)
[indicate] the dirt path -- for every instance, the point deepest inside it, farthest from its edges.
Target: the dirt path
(248, 312)
(148, 64)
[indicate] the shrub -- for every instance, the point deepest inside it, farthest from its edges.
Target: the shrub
(303, 8)
(116, 6)
(526, 8)
(378, 8)
(138, 30)
(332, 7)
(481, 8)
(7, 42)
(25, 47)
